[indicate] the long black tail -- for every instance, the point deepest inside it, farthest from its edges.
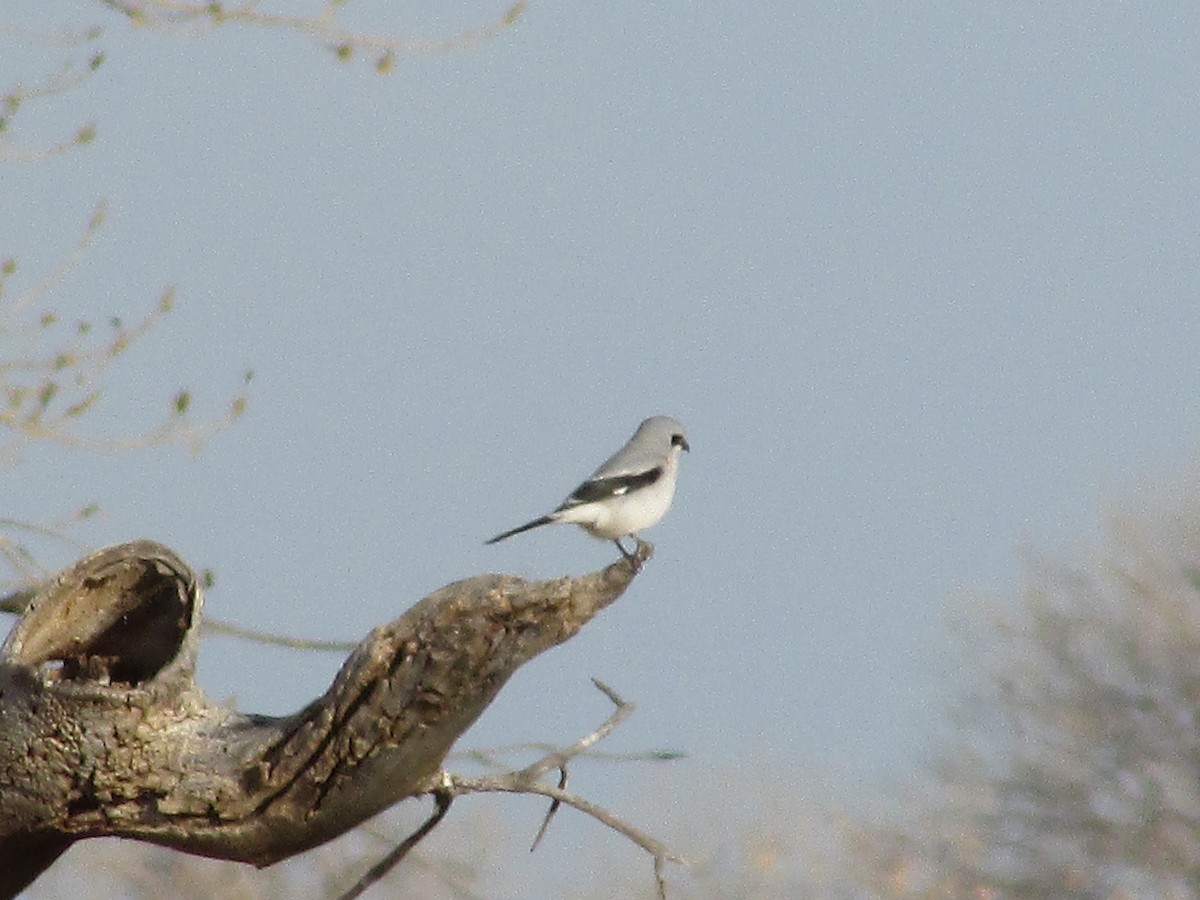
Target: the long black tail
(536, 523)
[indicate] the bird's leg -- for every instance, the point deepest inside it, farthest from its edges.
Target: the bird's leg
(631, 557)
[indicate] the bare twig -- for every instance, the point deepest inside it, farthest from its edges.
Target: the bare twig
(445, 787)
(493, 756)
(30, 573)
(525, 781)
(197, 16)
(437, 868)
(49, 380)
(37, 293)
(442, 800)
(22, 96)
(554, 805)
(217, 626)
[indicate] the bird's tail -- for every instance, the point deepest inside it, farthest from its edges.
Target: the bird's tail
(536, 523)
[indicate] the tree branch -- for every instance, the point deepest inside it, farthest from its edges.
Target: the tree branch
(103, 731)
(525, 781)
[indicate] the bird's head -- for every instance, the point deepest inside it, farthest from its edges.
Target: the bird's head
(664, 429)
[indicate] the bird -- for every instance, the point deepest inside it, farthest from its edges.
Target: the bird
(629, 492)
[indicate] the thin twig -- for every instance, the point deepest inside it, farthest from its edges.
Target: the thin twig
(442, 800)
(525, 781)
(554, 805)
(218, 626)
(556, 759)
(438, 868)
(493, 756)
(67, 266)
(202, 14)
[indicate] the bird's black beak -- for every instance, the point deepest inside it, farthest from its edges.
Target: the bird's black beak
(679, 440)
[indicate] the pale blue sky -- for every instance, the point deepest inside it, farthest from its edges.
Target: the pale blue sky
(920, 281)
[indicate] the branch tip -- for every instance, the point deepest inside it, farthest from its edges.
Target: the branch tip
(612, 695)
(554, 805)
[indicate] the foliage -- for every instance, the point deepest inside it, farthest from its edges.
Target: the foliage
(53, 372)
(1073, 774)
(1069, 772)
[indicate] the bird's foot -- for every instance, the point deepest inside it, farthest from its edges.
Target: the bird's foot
(640, 553)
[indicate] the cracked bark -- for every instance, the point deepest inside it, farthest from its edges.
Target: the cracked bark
(104, 732)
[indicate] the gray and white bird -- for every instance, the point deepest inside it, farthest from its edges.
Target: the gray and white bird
(629, 492)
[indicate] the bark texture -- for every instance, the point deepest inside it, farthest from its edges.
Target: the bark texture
(103, 731)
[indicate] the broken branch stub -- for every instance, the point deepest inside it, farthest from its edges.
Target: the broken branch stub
(104, 732)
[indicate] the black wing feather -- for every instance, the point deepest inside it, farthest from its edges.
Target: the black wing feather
(603, 488)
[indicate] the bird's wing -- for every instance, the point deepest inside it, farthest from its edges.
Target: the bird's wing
(630, 460)
(595, 489)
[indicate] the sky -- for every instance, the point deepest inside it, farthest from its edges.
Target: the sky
(921, 282)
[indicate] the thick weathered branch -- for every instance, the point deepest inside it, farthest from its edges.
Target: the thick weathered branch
(103, 731)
